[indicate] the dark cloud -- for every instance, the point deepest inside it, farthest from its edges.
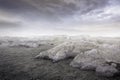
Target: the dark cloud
(50, 9)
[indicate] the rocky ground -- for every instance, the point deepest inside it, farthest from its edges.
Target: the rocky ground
(18, 63)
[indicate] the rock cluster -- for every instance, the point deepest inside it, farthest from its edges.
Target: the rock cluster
(88, 55)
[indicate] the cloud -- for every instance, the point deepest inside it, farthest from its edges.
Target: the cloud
(58, 16)
(9, 20)
(51, 10)
(8, 24)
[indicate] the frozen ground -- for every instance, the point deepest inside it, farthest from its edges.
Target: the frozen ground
(17, 62)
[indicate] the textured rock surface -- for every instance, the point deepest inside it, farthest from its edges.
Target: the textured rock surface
(106, 70)
(67, 49)
(88, 54)
(98, 59)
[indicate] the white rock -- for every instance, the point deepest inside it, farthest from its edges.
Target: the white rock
(67, 49)
(88, 54)
(88, 60)
(111, 53)
(98, 59)
(106, 70)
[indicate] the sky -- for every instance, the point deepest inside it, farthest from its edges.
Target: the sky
(59, 17)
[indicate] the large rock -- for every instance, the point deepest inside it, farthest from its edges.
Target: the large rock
(88, 55)
(88, 60)
(67, 49)
(111, 53)
(99, 59)
(107, 70)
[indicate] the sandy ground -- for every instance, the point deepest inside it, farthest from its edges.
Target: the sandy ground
(18, 63)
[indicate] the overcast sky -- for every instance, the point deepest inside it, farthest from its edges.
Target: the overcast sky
(59, 17)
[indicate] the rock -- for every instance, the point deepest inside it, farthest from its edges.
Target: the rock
(67, 49)
(106, 70)
(88, 55)
(88, 60)
(101, 60)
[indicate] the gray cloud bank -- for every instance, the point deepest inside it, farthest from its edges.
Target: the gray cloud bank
(56, 15)
(50, 9)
